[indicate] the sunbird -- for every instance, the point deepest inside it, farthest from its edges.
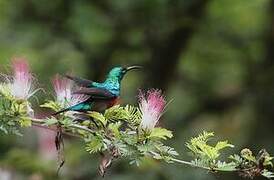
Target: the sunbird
(101, 95)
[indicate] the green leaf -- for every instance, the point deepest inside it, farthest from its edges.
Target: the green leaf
(267, 174)
(199, 162)
(267, 161)
(248, 155)
(202, 150)
(223, 166)
(146, 148)
(136, 161)
(50, 121)
(161, 133)
(52, 105)
(223, 144)
(25, 122)
(264, 156)
(204, 137)
(116, 113)
(98, 116)
(165, 150)
(157, 156)
(134, 114)
(114, 127)
(66, 122)
(4, 129)
(5, 91)
(130, 114)
(94, 145)
(236, 159)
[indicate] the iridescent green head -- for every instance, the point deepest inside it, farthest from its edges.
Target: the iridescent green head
(119, 72)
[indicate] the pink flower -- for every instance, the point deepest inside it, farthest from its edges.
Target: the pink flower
(152, 105)
(64, 88)
(21, 83)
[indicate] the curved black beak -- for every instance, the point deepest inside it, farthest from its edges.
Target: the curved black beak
(132, 68)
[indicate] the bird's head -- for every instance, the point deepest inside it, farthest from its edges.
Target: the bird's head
(119, 72)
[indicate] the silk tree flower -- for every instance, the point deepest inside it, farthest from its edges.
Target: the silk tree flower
(21, 83)
(64, 88)
(152, 105)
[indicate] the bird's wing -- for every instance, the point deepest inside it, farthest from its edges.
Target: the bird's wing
(96, 93)
(80, 81)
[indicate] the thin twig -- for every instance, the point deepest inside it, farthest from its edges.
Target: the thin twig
(202, 167)
(194, 165)
(190, 164)
(40, 122)
(55, 130)
(77, 126)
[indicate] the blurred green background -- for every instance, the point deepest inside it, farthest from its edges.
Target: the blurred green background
(214, 59)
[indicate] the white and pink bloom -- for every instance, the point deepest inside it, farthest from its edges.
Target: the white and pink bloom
(21, 82)
(152, 105)
(19, 85)
(64, 88)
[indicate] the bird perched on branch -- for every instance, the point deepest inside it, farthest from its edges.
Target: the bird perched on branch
(101, 95)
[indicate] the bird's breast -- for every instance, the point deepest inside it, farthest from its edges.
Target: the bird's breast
(102, 105)
(114, 102)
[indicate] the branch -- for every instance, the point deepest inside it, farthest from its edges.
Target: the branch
(124, 132)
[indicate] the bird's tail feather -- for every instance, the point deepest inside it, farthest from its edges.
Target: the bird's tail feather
(61, 111)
